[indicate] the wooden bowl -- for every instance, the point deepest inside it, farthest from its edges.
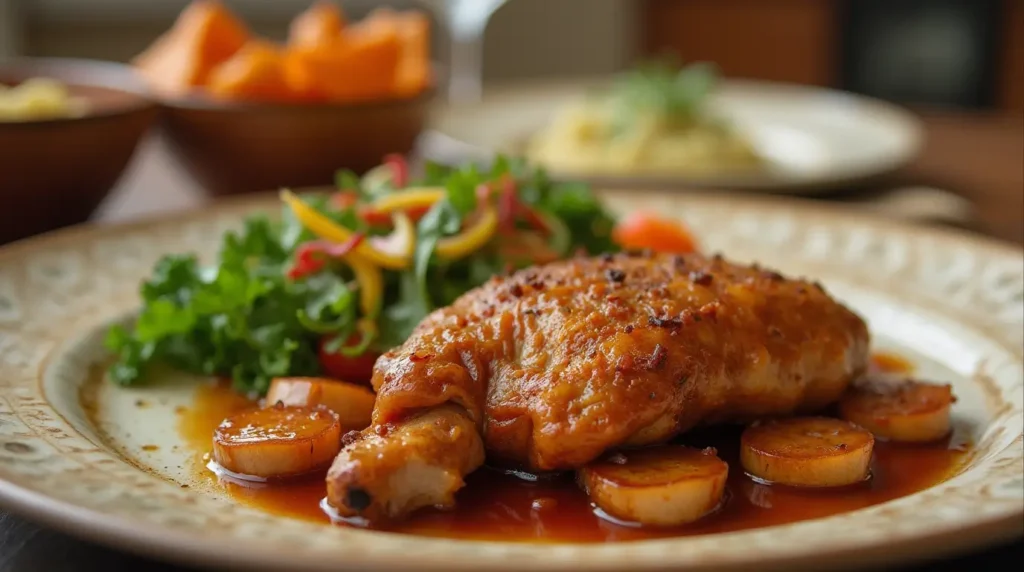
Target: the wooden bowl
(234, 148)
(55, 172)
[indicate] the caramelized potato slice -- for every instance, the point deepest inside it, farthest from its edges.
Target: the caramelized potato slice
(352, 403)
(661, 486)
(807, 452)
(277, 441)
(900, 410)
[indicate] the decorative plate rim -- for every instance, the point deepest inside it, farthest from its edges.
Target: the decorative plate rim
(126, 533)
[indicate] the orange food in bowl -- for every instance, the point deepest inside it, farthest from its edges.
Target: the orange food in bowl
(384, 56)
(414, 66)
(360, 65)
(204, 35)
(319, 25)
(256, 72)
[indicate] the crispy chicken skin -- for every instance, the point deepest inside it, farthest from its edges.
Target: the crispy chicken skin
(557, 364)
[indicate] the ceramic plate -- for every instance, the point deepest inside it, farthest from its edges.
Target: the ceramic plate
(815, 139)
(112, 470)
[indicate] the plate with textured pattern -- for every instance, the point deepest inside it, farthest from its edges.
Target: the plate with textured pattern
(81, 455)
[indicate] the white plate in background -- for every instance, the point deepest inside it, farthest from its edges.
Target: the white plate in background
(815, 139)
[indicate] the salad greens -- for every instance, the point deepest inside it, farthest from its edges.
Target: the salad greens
(665, 89)
(248, 318)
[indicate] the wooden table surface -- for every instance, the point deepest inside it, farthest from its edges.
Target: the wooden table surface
(978, 157)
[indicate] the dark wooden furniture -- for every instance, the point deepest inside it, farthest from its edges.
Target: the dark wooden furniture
(803, 41)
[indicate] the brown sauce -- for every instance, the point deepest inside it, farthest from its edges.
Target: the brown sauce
(497, 506)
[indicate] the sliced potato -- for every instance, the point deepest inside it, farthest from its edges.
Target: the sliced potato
(662, 486)
(277, 441)
(900, 410)
(353, 403)
(807, 452)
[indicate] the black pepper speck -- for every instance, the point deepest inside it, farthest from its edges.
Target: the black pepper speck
(615, 275)
(701, 278)
(665, 322)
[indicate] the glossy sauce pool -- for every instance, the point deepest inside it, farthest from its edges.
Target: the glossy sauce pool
(497, 506)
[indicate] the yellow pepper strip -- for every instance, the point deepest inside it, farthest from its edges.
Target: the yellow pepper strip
(327, 229)
(371, 284)
(408, 199)
(471, 239)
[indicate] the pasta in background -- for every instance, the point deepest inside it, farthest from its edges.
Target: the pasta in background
(38, 98)
(652, 120)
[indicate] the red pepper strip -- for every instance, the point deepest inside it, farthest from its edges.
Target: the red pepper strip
(399, 170)
(312, 256)
(506, 202)
(508, 206)
(533, 219)
(375, 218)
(511, 207)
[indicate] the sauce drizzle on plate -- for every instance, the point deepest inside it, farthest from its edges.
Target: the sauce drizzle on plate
(499, 505)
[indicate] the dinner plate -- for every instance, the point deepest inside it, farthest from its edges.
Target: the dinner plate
(106, 463)
(815, 140)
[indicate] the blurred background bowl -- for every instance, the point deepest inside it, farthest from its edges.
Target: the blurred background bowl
(233, 148)
(55, 172)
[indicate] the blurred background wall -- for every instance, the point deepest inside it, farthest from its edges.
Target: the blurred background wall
(948, 53)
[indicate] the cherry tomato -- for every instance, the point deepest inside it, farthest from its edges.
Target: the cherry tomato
(644, 230)
(351, 369)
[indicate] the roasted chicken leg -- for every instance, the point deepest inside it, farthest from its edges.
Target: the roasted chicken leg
(555, 365)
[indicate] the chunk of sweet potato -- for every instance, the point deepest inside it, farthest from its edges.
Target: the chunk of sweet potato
(360, 66)
(319, 25)
(205, 34)
(414, 71)
(254, 73)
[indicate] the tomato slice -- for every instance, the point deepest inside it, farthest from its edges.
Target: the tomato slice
(641, 230)
(357, 369)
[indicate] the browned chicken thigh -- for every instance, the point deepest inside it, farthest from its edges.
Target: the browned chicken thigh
(555, 365)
